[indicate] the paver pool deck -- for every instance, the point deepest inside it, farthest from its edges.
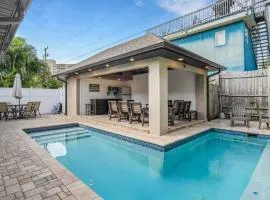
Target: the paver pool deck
(29, 172)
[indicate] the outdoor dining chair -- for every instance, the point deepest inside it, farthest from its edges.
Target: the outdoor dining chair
(3, 110)
(187, 112)
(36, 106)
(138, 113)
(181, 109)
(113, 109)
(123, 110)
(28, 110)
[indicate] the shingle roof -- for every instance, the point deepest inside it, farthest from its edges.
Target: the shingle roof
(143, 47)
(132, 45)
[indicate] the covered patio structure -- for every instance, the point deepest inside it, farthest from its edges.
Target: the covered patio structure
(152, 70)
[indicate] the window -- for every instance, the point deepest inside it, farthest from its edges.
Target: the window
(220, 38)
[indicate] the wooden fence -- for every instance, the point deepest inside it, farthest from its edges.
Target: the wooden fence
(250, 88)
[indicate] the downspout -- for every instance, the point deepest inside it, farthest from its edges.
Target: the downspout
(64, 81)
(208, 90)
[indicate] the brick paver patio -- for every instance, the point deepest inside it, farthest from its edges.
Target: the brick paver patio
(29, 172)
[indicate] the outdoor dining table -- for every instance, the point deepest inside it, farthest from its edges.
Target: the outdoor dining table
(16, 110)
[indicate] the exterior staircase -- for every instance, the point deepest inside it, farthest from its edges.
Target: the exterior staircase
(260, 40)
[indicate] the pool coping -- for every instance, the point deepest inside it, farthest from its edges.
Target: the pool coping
(151, 145)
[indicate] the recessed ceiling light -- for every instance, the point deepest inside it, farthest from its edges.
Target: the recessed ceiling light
(99, 77)
(180, 59)
(107, 65)
(119, 79)
(89, 70)
(206, 67)
(76, 73)
(131, 59)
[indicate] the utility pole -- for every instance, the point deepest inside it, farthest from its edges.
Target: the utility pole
(45, 53)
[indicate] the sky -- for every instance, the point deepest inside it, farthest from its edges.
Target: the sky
(76, 29)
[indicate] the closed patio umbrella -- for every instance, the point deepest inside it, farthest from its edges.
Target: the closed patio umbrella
(17, 88)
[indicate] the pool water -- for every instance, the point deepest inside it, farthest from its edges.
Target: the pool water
(215, 166)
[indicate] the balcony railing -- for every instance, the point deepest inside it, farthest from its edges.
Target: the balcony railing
(208, 14)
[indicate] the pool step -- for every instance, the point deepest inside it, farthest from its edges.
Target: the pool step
(52, 136)
(42, 141)
(53, 132)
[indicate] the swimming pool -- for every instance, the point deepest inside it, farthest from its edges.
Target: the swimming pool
(215, 165)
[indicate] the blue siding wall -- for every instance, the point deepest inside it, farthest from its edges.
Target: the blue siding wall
(250, 63)
(237, 54)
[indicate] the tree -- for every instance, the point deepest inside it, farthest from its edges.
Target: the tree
(22, 58)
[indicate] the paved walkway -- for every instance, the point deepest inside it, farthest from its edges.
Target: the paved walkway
(29, 172)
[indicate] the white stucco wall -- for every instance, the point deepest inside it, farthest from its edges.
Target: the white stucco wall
(181, 86)
(48, 97)
(102, 94)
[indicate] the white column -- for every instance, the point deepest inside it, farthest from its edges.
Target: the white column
(201, 96)
(73, 96)
(158, 98)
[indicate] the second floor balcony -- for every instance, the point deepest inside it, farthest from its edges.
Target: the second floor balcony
(211, 13)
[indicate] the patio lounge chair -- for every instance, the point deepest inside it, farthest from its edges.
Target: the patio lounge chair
(263, 119)
(113, 109)
(3, 110)
(181, 109)
(239, 114)
(123, 110)
(178, 102)
(137, 112)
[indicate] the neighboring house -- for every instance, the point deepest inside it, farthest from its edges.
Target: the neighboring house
(232, 33)
(11, 15)
(57, 68)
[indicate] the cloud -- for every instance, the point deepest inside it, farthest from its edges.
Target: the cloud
(181, 7)
(139, 3)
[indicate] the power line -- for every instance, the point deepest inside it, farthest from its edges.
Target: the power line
(104, 18)
(109, 44)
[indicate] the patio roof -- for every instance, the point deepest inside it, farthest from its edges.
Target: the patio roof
(11, 15)
(144, 47)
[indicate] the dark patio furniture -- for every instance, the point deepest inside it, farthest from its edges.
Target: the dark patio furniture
(181, 109)
(145, 114)
(171, 116)
(177, 106)
(89, 109)
(113, 109)
(123, 110)
(170, 103)
(187, 114)
(3, 110)
(193, 114)
(239, 114)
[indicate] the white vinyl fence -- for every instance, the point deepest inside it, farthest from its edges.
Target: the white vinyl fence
(49, 98)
